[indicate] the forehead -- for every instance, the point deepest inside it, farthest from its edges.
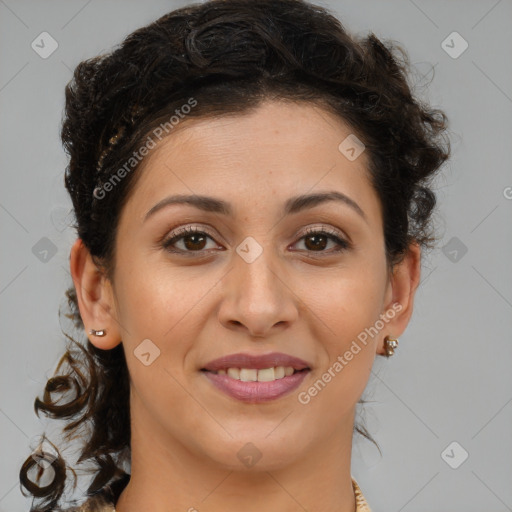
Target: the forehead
(256, 159)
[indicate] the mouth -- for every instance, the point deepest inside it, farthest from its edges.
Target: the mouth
(258, 375)
(256, 379)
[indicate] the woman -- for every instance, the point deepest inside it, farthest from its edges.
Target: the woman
(251, 190)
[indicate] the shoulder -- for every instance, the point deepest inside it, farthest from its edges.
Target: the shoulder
(361, 503)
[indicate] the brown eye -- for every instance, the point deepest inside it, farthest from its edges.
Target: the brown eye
(317, 240)
(314, 242)
(194, 240)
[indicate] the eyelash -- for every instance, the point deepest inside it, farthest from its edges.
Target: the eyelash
(184, 232)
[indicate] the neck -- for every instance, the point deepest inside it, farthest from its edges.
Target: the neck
(168, 476)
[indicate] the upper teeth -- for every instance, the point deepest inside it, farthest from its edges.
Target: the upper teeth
(253, 375)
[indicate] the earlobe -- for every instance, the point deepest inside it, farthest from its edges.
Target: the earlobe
(95, 298)
(402, 288)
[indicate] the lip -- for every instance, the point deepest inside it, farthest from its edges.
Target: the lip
(256, 392)
(257, 362)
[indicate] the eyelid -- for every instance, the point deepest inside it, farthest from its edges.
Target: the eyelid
(344, 242)
(184, 229)
(323, 227)
(181, 232)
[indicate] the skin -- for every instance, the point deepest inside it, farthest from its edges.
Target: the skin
(293, 299)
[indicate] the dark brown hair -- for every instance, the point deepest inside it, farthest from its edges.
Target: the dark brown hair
(229, 55)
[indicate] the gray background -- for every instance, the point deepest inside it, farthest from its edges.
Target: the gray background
(450, 379)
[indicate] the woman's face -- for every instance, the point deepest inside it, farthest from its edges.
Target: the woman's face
(256, 280)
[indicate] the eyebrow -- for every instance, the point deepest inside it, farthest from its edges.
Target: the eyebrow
(293, 205)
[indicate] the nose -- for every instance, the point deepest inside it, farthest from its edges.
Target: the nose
(258, 297)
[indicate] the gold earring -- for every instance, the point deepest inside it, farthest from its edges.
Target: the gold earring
(390, 344)
(101, 332)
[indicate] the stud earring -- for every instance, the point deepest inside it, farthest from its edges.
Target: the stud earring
(101, 332)
(390, 344)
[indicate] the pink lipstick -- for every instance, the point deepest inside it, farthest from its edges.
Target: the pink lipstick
(256, 378)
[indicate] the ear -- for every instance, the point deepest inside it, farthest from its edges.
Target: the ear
(400, 293)
(95, 297)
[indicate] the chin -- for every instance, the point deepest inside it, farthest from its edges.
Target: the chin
(254, 453)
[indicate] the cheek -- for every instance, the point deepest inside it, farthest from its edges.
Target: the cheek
(156, 315)
(347, 302)
(348, 311)
(154, 301)
(348, 350)
(165, 307)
